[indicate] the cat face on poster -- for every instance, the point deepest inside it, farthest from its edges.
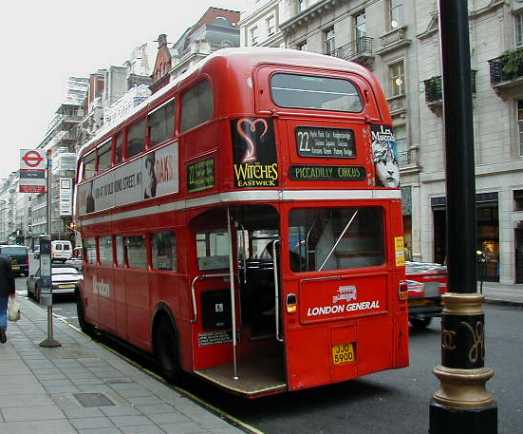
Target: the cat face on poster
(385, 157)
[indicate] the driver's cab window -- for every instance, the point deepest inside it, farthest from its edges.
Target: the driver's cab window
(212, 250)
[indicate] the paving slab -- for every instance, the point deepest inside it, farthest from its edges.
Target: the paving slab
(38, 387)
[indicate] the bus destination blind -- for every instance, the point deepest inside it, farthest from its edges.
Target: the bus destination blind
(325, 142)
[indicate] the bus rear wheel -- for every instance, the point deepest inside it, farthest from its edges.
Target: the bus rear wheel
(166, 349)
(420, 323)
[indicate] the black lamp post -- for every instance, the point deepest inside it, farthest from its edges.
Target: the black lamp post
(462, 404)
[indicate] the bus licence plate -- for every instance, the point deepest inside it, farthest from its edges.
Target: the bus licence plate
(343, 353)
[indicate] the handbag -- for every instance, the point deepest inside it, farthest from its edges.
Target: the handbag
(13, 310)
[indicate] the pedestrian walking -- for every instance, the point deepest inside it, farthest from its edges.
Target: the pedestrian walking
(7, 289)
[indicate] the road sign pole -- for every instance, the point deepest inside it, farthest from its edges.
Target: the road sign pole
(46, 282)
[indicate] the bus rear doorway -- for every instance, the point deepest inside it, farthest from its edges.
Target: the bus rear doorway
(250, 362)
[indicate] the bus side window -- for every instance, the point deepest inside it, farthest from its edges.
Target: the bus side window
(105, 245)
(197, 105)
(90, 250)
(120, 253)
(136, 251)
(104, 156)
(136, 138)
(118, 148)
(164, 251)
(212, 249)
(161, 123)
(89, 166)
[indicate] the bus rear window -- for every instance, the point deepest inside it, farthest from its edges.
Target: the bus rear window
(324, 239)
(313, 92)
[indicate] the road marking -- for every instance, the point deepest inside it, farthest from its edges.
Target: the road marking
(217, 411)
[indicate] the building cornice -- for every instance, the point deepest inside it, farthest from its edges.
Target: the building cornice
(258, 13)
(308, 13)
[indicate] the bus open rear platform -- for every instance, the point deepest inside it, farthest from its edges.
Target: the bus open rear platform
(257, 377)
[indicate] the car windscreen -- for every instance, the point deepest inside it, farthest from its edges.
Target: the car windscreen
(315, 92)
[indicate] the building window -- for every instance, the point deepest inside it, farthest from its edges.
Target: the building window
(519, 30)
(360, 25)
(254, 35)
(520, 126)
(397, 79)
(518, 200)
(271, 25)
(400, 134)
(301, 5)
(302, 46)
(396, 13)
(330, 41)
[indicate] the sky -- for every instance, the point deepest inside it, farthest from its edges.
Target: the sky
(45, 42)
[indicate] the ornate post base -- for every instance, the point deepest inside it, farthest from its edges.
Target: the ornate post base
(462, 405)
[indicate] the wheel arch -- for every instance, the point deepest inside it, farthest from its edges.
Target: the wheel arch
(161, 312)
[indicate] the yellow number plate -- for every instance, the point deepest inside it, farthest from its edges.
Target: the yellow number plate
(343, 353)
(67, 286)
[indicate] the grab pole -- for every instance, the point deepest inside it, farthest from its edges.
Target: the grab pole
(233, 299)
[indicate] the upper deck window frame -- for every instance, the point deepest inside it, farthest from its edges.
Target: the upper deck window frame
(162, 107)
(315, 75)
(183, 103)
(101, 150)
(87, 158)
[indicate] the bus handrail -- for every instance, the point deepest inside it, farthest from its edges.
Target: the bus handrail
(193, 291)
(276, 291)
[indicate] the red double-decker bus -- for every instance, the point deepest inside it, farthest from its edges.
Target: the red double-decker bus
(244, 225)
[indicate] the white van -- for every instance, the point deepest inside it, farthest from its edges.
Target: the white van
(61, 250)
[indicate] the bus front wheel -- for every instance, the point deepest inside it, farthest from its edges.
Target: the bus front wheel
(166, 349)
(87, 328)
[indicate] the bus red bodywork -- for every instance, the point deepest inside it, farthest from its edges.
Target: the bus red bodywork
(292, 190)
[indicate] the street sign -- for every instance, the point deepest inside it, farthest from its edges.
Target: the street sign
(66, 196)
(32, 159)
(46, 284)
(32, 171)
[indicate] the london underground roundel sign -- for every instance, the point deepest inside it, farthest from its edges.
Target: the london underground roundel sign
(32, 159)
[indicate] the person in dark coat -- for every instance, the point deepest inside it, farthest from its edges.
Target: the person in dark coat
(7, 289)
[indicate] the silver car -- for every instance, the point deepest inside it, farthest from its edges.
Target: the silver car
(65, 280)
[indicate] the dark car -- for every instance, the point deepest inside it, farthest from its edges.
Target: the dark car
(65, 280)
(426, 282)
(19, 258)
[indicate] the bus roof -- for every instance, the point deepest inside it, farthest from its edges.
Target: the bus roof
(241, 58)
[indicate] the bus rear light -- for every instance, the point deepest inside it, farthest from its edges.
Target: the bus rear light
(291, 303)
(404, 290)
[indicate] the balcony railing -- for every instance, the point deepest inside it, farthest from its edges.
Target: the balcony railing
(408, 159)
(360, 47)
(507, 67)
(434, 88)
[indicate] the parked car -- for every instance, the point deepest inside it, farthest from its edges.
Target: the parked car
(426, 282)
(61, 250)
(76, 260)
(65, 280)
(19, 258)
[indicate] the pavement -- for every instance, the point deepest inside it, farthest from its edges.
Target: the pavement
(499, 293)
(84, 388)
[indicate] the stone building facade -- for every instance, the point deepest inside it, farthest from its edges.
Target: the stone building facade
(399, 41)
